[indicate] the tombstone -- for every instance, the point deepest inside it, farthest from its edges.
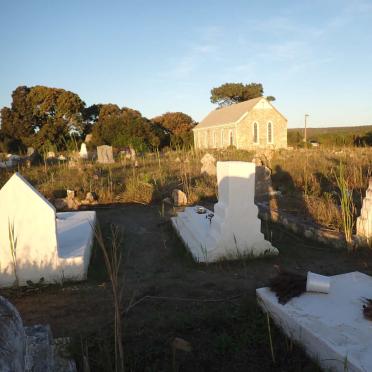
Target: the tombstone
(30, 151)
(25, 349)
(208, 165)
(179, 198)
(36, 242)
(234, 228)
(83, 151)
(132, 153)
(330, 327)
(364, 222)
(104, 154)
(88, 138)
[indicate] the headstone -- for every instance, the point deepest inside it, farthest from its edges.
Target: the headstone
(26, 349)
(13, 338)
(132, 153)
(208, 164)
(88, 138)
(105, 155)
(30, 151)
(330, 327)
(263, 186)
(233, 230)
(83, 151)
(36, 242)
(179, 198)
(364, 222)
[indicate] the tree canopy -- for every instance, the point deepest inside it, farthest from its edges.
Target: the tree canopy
(127, 127)
(41, 115)
(229, 93)
(178, 125)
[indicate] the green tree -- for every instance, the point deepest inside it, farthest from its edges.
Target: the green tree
(178, 125)
(230, 93)
(126, 127)
(40, 115)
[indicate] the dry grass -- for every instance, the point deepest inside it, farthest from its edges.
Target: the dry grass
(306, 178)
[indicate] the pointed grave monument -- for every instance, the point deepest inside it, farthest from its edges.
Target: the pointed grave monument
(36, 242)
(233, 230)
(83, 151)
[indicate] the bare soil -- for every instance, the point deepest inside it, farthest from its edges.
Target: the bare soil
(213, 306)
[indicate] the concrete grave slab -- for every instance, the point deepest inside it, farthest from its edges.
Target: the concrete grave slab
(233, 229)
(330, 327)
(49, 245)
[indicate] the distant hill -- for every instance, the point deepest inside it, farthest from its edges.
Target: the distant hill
(333, 136)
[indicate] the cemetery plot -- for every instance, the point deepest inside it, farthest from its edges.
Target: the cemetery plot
(233, 230)
(36, 242)
(330, 327)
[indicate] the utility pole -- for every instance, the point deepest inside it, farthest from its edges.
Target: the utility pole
(305, 134)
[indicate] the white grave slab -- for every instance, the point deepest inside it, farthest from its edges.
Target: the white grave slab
(235, 229)
(330, 327)
(83, 151)
(49, 245)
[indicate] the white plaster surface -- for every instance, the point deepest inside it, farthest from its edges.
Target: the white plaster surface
(46, 246)
(364, 221)
(234, 229)
(83, 151)
(331, 327)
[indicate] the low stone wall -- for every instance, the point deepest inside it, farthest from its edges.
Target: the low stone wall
(300, 227)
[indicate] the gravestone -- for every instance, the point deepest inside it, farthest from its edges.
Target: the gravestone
(30, 151)
(330, 327)
(83, 151)
(29, 349)
(364, 222)
(88, 138)
(179, 198)
(104, 154)
(36, 242)
(233, 230)
(208, 165)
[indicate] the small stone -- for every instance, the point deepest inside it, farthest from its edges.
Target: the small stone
(179, 198)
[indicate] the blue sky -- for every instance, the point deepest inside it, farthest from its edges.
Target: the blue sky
(155, 56)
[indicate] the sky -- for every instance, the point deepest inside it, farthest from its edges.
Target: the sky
(314, 56)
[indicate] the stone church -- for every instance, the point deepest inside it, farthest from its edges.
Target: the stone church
(249, 125)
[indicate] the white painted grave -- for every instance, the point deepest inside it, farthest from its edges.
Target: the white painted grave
(83, 151)
(364, 222)
(234, 229)
(49, 245)
(331, 327)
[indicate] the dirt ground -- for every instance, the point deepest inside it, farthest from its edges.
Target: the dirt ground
(213, 307)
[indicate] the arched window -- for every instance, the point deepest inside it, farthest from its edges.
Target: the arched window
(255, 133)
(231, 138)
(269, 132)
